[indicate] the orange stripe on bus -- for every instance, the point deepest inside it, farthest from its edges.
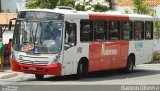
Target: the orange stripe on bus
(108, 55)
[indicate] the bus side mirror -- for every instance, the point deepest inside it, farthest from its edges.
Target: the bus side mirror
(1, 32)
(10, 25)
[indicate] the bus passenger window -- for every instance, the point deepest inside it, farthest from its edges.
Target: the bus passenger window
(139, 30)
(99, 34)
(114, 27)
(148, 30)
(70, 33)
(126, 30)
(86, 30)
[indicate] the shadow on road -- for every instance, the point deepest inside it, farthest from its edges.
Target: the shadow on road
(104, 75)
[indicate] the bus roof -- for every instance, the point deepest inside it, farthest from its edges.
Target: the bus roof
(96, 15)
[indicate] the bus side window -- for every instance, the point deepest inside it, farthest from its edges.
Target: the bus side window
(114, 30)
(126, 30)
(148, 30)
(70, 33)
(86, 31)
(139, 30)
(99, 33)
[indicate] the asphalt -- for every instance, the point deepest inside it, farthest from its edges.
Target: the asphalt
(7, 73)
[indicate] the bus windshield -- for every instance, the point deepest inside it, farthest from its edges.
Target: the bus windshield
(38, 36)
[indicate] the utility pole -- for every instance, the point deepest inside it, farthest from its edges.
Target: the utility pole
(114, 4)
(0, 6)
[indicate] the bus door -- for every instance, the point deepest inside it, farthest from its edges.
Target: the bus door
(96, 49)
(70, 50)
(97, 45)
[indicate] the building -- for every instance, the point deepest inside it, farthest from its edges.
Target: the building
(5, 7)
(124, 5)
(4, 21)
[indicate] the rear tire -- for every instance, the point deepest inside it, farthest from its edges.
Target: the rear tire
(82, 70)
(39, 77)
(130, 65)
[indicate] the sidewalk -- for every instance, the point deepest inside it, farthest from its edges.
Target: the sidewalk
(155, 62)
(7, 73)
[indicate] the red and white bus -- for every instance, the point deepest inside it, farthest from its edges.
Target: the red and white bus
(64, 41)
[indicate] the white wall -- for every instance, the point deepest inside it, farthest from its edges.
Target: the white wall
(129, 8)
(157, 11)
(6, 36)
(156, 44)
(122, 9)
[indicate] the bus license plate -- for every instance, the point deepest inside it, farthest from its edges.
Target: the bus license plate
(32, 69)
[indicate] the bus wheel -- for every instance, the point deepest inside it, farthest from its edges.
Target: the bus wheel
(130, 65)
(82, 70)
(39, 77)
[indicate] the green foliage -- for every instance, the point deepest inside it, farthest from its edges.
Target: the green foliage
(50, 4)
(97, 6)
(100, 8)
(157, 28)
(126, 11)
(80, 5)
(156, 56)
(67, 3)
(141, 7)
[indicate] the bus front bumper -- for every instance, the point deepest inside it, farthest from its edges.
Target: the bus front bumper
(52, 69)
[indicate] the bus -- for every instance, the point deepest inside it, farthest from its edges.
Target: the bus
(63, 41)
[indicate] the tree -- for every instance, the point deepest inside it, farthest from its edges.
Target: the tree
(97, 6)
(80, 5)
(141, 7)
(70, 3)
(49, 4)
(157, 28)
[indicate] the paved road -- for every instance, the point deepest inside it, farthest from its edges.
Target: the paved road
(146, 74)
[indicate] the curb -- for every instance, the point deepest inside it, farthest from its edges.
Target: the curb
(155, 62)
(9, 75)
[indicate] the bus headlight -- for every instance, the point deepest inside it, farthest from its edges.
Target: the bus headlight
(56, 59)
(13, 55)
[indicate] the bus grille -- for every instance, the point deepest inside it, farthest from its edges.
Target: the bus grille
(34, 62)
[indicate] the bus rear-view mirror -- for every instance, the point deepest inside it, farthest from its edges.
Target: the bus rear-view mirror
(10, 25)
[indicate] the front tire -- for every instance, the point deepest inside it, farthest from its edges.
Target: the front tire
(39, 77)
(82, 70)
